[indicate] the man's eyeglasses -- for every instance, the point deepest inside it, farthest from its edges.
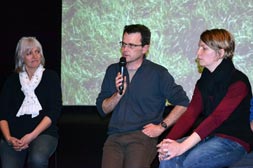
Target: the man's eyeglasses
(130, 45)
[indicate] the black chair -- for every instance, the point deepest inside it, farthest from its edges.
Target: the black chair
(53, 161)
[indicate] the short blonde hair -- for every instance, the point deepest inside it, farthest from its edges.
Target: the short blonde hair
(219, 39)
(24, 46)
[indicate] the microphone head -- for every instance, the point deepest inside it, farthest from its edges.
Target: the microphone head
(122, 61)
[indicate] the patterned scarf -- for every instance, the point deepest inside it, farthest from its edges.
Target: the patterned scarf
(31, 104)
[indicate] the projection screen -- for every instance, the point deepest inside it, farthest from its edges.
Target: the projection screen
(92, 29)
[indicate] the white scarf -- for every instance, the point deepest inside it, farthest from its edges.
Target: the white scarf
(31, 104)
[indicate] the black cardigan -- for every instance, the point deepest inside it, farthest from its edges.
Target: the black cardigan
(49, 95)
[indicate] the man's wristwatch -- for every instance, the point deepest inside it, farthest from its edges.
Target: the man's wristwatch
(164, 125)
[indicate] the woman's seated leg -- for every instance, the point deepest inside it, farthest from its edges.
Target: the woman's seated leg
(40, 151)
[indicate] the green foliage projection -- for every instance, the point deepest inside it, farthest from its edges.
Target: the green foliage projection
(91, 31)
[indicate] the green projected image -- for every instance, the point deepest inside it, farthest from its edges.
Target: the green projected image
(92, 29)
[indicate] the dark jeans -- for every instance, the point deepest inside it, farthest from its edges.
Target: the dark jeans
(214, 152)
(245, 162)
(129, 150)
(37, 155)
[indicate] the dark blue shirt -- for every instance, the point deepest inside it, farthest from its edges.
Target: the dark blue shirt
(145, 97)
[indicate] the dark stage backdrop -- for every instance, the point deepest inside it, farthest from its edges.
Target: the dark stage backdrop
(41, 19)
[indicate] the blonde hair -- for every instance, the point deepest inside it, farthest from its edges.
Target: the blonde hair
(24, 46)
(219, 39)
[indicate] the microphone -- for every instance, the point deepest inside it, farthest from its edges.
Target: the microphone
(122, 65)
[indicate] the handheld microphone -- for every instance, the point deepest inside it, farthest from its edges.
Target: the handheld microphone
(122, 65)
